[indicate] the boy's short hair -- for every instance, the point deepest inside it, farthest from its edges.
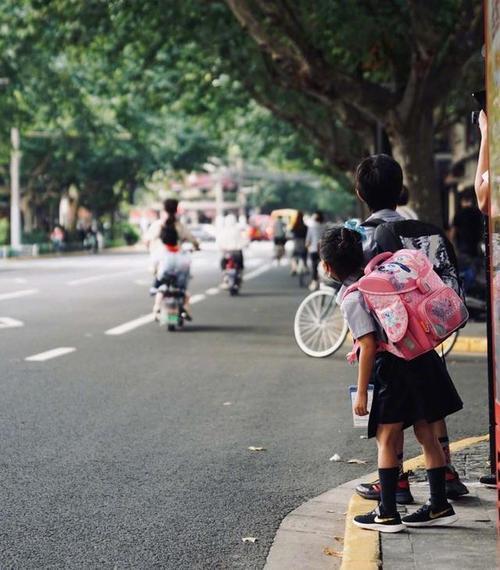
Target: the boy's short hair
(379, 181)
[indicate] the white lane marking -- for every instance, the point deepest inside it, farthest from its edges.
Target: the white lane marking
(213, 291)
(8, 323)
(257, 272)
(131, 325)
(49, 354)
(197, 298)
(93, 278)
(16, 294)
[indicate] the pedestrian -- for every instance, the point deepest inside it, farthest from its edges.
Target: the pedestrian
(299, 233)
(467, 226)
(414, 393)
(314, 233)
(379, 182)
(279, 237)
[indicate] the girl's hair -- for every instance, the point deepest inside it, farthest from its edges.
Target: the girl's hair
(299, 222)
(168, 234)
(341, 249)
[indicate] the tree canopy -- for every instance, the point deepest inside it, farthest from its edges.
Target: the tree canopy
(108, 92)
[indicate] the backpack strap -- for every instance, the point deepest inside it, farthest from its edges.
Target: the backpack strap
(350, 289)
(374, 223)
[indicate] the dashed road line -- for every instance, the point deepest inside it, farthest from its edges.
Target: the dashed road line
(8, 323)
(17, 294)
(146, 319)
(257, 272)
(131, 325)
(49, 354)
(84, 280)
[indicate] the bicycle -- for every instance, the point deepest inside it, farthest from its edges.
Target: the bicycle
(320, 328)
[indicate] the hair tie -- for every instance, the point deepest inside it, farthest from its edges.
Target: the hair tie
(355, 226)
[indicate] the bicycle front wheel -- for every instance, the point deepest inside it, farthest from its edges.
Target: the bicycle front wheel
(319, 327)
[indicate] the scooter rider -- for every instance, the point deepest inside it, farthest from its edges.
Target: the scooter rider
(230, 240)
(170, 257)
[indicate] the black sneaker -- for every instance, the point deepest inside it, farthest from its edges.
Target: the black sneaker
(375, 521)
(425, 516)
(454, 487)
(371, 491)
(489, 481)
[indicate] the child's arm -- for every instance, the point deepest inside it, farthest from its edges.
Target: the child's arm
(367, 352)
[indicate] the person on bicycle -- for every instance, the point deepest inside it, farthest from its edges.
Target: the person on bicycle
(171, 258)
(379, 182)
(299, 255)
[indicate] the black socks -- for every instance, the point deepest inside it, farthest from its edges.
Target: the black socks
(388, 480)
(445, 446)
(437, 484)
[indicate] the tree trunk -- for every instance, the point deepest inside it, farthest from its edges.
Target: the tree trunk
(413, 148)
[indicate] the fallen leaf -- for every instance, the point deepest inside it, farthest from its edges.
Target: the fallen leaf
(332, 552)
(339, 538)
(335, 457)
(331, 511)
(251, 539)
(357, 461)
(253, 448)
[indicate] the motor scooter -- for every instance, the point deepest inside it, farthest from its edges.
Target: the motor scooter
(232, 272)
(172, 311)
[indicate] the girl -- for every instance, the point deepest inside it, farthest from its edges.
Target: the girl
(171, 258)
(417, 392)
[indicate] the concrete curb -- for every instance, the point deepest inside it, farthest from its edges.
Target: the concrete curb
(320, 533)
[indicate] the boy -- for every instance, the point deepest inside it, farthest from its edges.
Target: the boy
(379, 182)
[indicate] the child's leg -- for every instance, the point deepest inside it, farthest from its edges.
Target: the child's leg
(388, 437)
(439, 511)
(434, 462)
(442, 434)
(386, 517)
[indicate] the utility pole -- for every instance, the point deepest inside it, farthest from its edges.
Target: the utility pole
(15, 212)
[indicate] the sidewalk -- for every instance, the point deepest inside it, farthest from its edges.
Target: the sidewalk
(470, 543)
(320, 534)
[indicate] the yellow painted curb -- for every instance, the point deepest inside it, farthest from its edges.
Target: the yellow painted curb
(362, 547)
(419, 461)
(467, 344)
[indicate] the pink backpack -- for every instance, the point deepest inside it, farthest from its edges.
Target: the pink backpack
(408, 299)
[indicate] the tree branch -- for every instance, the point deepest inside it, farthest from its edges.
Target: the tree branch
(296, 56)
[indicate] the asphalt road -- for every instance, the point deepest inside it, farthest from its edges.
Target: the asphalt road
(131, 451)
